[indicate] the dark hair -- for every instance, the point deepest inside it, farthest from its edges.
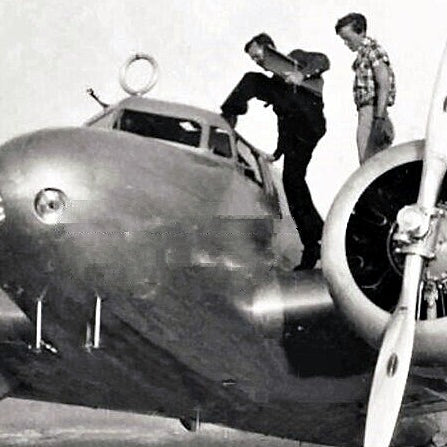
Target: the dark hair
(262, 39)
(357, 22)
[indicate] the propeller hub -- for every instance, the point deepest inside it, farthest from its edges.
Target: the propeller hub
(417, 231)
(413, 222)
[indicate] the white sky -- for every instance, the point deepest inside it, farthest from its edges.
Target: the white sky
(52, 50)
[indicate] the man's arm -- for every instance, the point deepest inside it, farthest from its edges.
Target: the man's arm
(382, 77)
(381, 135)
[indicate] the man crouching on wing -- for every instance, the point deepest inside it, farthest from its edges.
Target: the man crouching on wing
(296, 97)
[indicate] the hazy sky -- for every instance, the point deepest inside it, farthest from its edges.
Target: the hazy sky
(53, 50)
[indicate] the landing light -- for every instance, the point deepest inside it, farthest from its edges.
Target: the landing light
(49, 205)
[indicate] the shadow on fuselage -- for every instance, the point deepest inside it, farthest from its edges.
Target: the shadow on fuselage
(325, 346)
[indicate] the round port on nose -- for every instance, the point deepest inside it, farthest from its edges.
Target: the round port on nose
(49, 205)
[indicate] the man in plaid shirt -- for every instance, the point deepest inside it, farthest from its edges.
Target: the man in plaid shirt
(374, 86)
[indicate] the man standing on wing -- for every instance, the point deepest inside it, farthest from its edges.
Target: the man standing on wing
(301, 124)
(374, 86)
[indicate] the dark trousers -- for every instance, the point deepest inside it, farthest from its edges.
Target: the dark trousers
(297, 155)
(301, 124)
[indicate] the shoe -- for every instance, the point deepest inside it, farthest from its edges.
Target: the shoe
(310, 256)
(230, 119)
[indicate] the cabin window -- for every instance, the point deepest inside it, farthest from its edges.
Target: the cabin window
(179, 130)
(219, 142)
(248, 160)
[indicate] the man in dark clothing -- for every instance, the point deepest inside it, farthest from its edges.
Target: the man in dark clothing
(301, 124)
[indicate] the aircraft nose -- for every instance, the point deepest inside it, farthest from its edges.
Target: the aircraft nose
(88, 204)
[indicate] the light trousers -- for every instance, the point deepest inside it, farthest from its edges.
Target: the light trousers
(365, 144)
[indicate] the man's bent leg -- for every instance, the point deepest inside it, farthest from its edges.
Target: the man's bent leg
(252, 85)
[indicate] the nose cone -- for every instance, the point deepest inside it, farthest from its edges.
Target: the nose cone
(86, 176)
(90, 205)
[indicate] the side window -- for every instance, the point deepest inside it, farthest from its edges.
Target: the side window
(248, 159)
(219, 142)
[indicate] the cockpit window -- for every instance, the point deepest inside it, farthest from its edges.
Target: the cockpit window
(247, 158)
(219, 142)
(169, 128)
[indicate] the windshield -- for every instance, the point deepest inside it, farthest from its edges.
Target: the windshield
(180, 130)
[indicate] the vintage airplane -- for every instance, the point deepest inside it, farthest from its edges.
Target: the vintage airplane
(142, 252)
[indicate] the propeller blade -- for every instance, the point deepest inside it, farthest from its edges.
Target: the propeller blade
(393, 363)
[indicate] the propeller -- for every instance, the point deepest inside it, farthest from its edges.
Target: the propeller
(393, 363)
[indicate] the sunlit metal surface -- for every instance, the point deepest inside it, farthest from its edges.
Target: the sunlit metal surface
(302, 295)
(2, 210)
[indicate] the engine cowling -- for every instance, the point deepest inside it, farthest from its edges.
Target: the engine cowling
(361, 259)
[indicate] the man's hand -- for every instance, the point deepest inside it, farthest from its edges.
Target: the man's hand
(381, 133)
(270, 158)
(293, 77)
(273, 157)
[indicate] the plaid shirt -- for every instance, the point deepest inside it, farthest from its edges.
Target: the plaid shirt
(365, 90)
